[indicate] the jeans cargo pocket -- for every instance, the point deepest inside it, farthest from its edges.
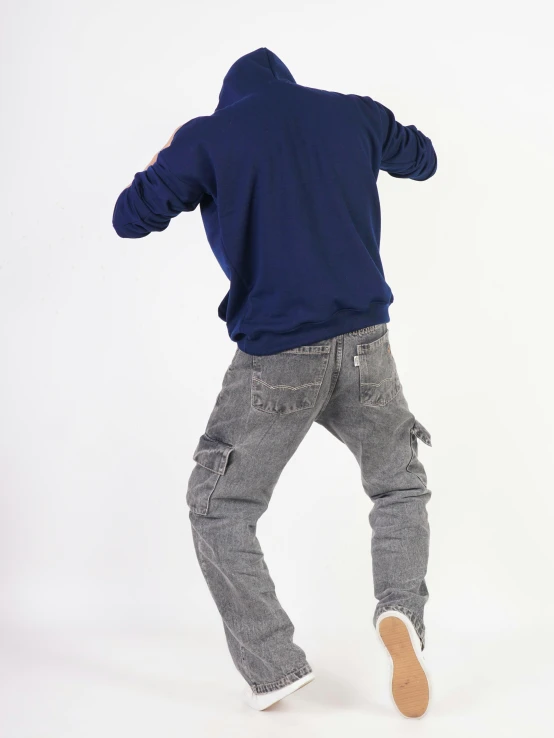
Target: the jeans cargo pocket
(211, 458)
(289, 380)
(414, 465)
(378, 376)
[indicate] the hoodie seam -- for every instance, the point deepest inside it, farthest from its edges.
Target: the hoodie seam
(269, 63)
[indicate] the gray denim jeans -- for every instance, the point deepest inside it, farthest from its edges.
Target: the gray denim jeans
(350, 385)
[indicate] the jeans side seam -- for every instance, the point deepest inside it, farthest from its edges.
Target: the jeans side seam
(339, 350)
(243, 659)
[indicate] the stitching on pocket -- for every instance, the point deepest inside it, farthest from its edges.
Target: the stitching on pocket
(278, 396)
(212, 457)
(386, 389)
(366, 348)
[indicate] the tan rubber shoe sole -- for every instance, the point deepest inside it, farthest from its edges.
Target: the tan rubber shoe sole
(410, 687)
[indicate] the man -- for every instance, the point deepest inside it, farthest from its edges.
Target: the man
(286, 179)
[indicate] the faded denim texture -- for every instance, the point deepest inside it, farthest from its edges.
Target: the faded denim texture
(350, 385)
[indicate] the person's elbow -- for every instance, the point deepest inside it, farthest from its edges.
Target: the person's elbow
(127, 219)
(123, 222)
(129, 230)
(417, 162)
(428, 166)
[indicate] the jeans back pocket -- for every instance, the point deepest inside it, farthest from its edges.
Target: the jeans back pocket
(290, 380)
(379, 381)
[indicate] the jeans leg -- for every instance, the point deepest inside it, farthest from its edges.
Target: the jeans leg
(239, 460)
(383, 438)
(400, 551)
(259, 632)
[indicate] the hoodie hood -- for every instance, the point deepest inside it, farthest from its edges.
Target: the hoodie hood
(249, 73)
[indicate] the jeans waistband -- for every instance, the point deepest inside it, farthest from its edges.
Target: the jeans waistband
(367, 329)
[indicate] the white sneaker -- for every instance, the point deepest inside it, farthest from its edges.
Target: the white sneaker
(261, 701)
(410, 684)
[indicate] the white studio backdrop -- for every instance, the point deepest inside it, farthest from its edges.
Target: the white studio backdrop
(113, 354)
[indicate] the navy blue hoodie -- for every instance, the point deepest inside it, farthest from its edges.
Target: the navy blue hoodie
(286, 179)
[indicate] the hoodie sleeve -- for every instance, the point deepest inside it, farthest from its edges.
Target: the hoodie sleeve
(175, 183)
(406, 151)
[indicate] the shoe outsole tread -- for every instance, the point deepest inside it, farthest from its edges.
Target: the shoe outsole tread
(410, 685)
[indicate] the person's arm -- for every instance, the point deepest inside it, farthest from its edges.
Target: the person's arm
(406, 151)
(174, 181)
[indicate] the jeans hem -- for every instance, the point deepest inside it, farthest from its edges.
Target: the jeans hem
(414, 619)
(289, 678)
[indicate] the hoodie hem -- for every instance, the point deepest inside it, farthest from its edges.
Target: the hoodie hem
(342, 322)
